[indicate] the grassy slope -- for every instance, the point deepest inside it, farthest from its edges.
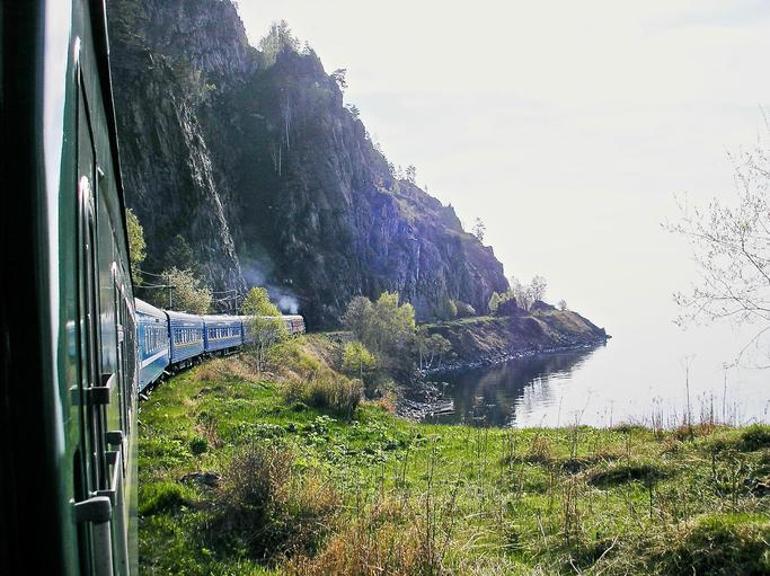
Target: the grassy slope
(454, 499)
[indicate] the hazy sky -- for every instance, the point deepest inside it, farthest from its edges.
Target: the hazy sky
(568, 127)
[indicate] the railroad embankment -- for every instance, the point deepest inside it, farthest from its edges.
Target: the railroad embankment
(289, 471)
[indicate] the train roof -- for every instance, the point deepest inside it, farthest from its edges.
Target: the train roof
(145, 308)
(184, 317)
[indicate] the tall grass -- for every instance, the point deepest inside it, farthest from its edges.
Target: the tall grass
(265, 507)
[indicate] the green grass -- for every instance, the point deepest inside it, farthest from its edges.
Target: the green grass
(432, 499)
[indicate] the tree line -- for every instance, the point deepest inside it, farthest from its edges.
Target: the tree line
(388, 336)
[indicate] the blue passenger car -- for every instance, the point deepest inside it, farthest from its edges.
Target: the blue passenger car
(186, 336)
(222, 333)
(152, 336)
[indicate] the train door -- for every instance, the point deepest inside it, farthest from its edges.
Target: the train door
(90, 465)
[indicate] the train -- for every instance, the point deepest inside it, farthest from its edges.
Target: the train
(168, 341)
(76, 347)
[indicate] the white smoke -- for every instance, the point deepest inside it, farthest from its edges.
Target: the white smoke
(257, 272)
(288, 304)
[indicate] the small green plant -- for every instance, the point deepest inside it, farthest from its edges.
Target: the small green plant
(755, 437)
(198, 445)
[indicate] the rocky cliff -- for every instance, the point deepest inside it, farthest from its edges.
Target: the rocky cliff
(246, 165)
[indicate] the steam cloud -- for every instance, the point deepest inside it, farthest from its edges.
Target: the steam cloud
(256, 273)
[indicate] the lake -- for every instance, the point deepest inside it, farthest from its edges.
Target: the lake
(641, 375)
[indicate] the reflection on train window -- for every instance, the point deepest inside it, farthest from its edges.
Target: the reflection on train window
(152, 339)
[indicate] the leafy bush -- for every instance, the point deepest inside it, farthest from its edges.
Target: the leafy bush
(357, 361)
(257, 303)
(188, 293)
(266, 508)
(386, 328)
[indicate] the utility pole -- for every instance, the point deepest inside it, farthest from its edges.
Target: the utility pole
(168, 283)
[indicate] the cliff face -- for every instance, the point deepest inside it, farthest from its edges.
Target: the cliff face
(247, 166)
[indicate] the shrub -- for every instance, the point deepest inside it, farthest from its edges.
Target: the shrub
(159, 497)
(391, 536)
(446, 310)
(464, 310)
(292, 359)
(293, 391)
(219, 370)
(338, 395)
(198, 445)
(269, 510)
(755, 437)
(257, 303)
(540, 451)
(385, 327)
(508, 307)
(357, 361)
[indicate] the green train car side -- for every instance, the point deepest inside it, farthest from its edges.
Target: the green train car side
(67, 365)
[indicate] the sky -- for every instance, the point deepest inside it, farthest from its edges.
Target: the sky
(568, 127)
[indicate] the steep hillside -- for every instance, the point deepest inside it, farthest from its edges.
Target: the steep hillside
(247, 166)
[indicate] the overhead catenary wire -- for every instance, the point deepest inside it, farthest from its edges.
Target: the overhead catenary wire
(229, 299)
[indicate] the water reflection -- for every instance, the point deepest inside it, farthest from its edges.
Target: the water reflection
(493, 396)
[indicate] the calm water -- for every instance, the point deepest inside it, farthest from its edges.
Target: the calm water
(639, 375)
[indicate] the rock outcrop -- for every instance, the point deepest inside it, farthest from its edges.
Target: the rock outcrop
(491, 340)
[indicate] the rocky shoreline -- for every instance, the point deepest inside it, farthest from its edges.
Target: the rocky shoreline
(453, 366)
